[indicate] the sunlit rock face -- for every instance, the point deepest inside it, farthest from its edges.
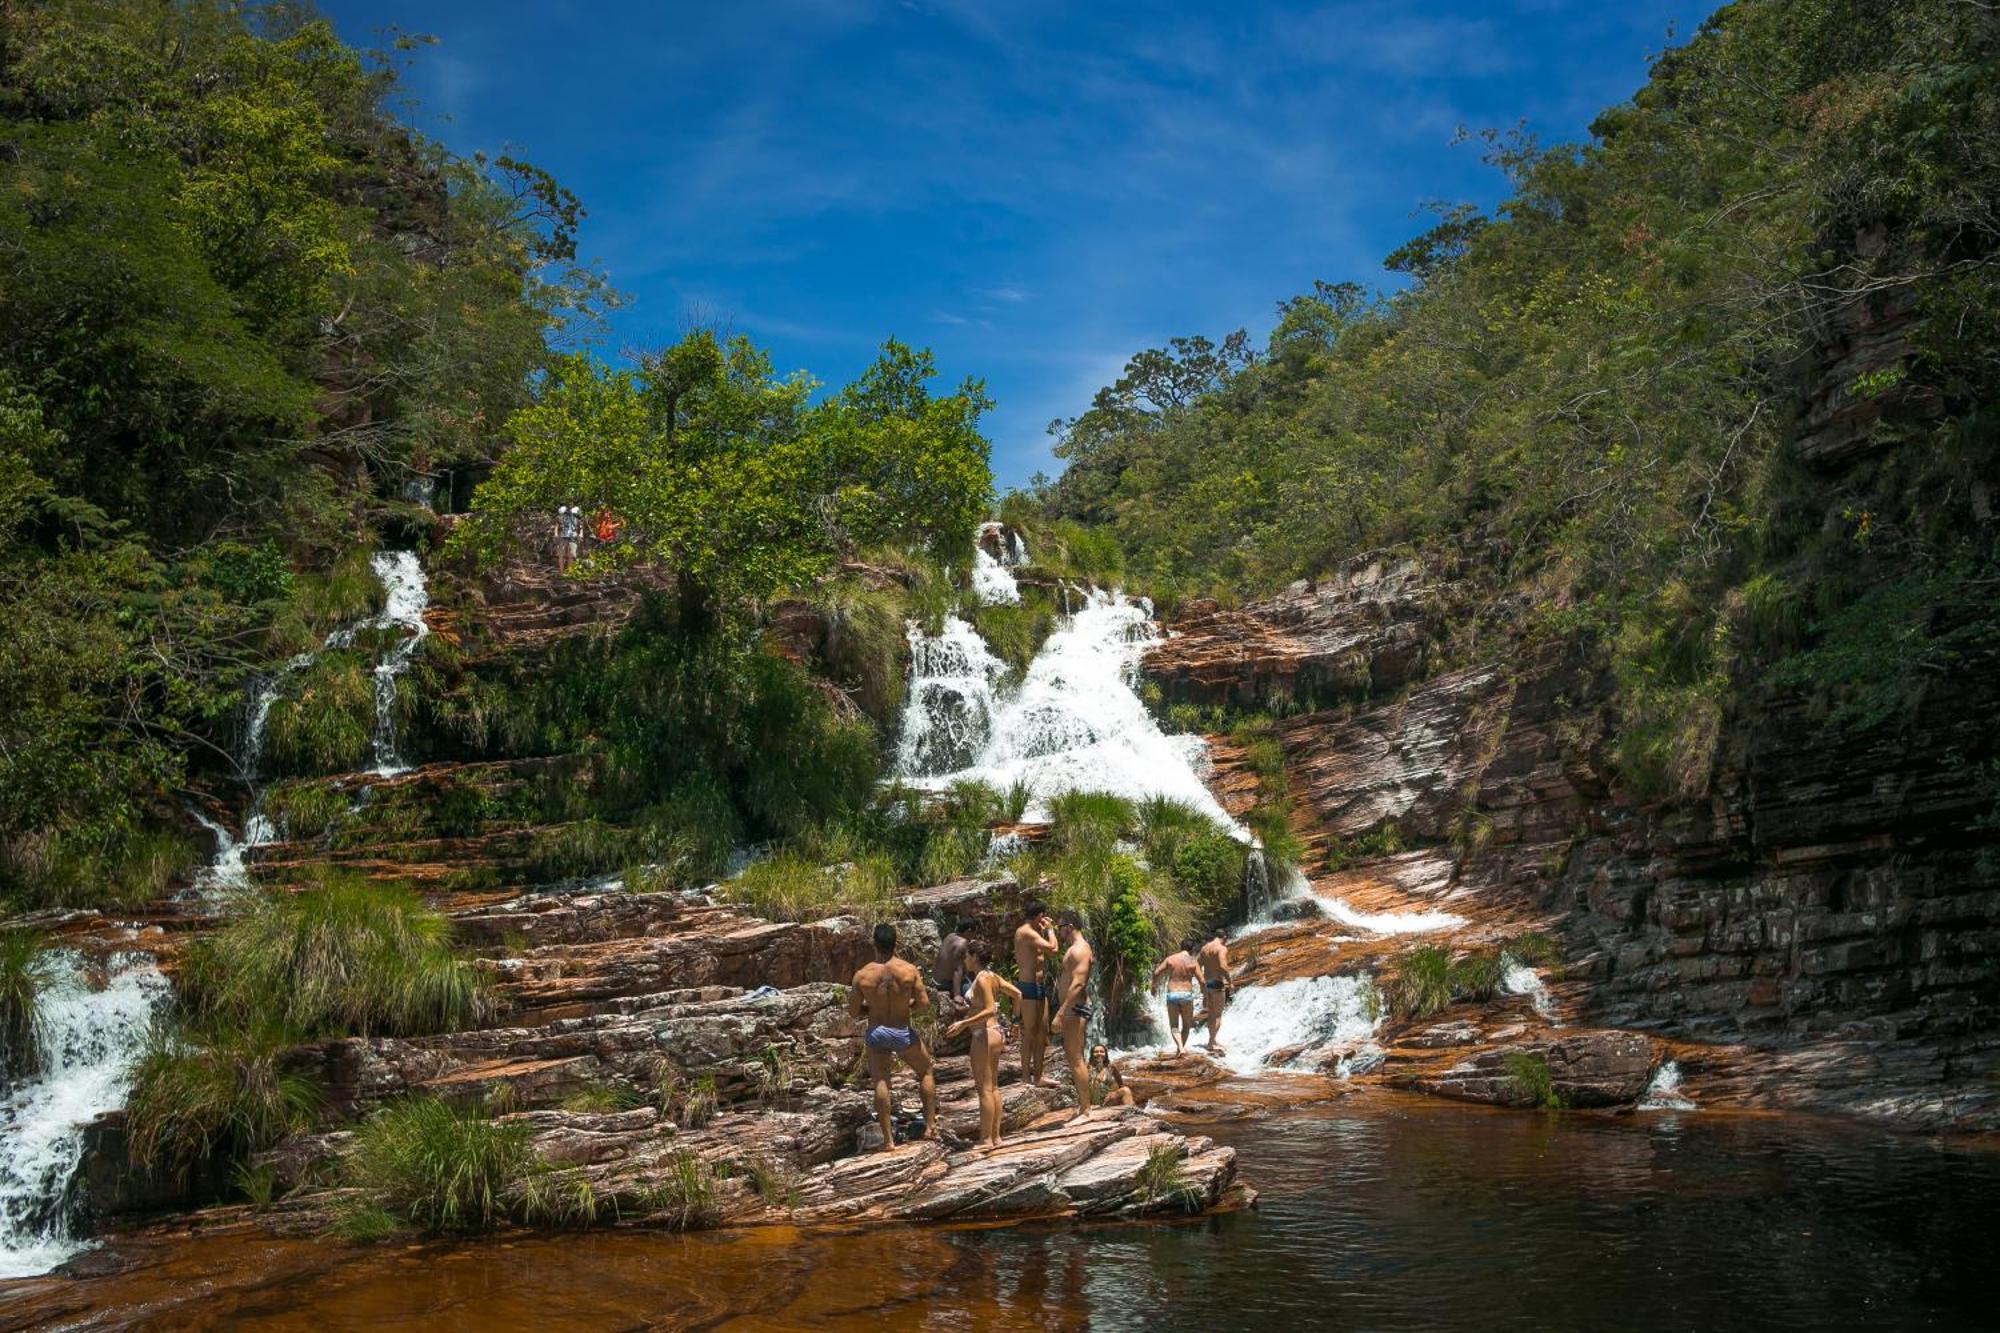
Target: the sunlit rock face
(1823, 915)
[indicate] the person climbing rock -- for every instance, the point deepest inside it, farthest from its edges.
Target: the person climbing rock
(989, 1037)
(885, 991)
(950, 970)
(1073, 1011)
(1214, 960)
(1180, 971)
(1033, 943)
(568, 533)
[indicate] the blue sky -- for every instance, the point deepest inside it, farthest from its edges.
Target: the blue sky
(1034, 190)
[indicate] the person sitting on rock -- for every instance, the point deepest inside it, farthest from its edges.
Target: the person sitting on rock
(885, 991)
(988, 1036)
(1073, 1011)
(1107, 1085)
(1214, 960)
(1179, 969)
(1032, 943)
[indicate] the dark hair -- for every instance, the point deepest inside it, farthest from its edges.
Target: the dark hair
(885, 938)
(1036, 907)
(1068, 917)
(976, 948)
(965, 926)
(1190, 944)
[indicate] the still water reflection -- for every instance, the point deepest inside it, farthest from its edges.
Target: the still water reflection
(1377, 1211)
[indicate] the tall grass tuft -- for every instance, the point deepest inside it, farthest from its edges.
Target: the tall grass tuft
(26, 969)
(323, 721)
(1422, 985)
(226, 1093)
(439, 1167)
(1533, 1082)
(345, 956)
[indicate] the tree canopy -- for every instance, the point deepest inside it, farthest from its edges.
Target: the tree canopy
(730, 475)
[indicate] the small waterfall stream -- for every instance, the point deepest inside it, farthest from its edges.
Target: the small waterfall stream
(90, 1039)
(408, 596)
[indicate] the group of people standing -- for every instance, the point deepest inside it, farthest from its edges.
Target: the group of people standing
(567, 532)
(1050, 993)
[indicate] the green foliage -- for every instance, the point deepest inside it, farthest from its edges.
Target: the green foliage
(257, 1184)
(806, 885)
(683, 1194)
(26, 969)
(729, 476)
(197, 1094)
(1532, 949)
(306, 810)
(1382, 840)
(1533, 1083)
(688, 1103)
(1422, 985)
(346, 955)
(323, 720)
(1163, 1178)
(775, 1184)
(1597, 386)
(1128, 932)
(1477, 976)
(1016, 633)
(238, 300)
(440, 1168)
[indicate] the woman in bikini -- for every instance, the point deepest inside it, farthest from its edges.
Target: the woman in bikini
(988, 1037)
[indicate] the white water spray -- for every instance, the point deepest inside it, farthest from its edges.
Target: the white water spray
(1074, 723)
(407, 597)
(90, 1040)
(1664, 1092)
(992, 582)
(1520, 979)
(1389, 923)
(1307, 1012)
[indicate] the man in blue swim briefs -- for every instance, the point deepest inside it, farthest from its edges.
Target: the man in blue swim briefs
(1033, 942)
(1214, 960)
(1073, 1012)
(1180, 970)
(885, 991)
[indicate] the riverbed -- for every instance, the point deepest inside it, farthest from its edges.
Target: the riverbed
(1378, 1209)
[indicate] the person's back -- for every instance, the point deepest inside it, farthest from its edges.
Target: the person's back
(949, 969)
(1214, 960)
(885, 991)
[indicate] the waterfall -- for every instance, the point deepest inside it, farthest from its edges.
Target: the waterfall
(403, 575)
(1388, 923)
(1256, 891)
(1073, 723)
(1664, 1092)
(1308, 1012)
(1520, 979)
(954, 688)
(992, 582)
(90, 1040)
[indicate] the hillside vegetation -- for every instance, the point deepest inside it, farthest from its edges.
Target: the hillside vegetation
(1712, 391)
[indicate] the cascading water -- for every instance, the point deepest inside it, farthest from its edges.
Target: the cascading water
(1664, 1092)
(90, 1040)
(992, 582)
(1520, 979)
(408, 596)
(1307, 1013)
(1074, 723)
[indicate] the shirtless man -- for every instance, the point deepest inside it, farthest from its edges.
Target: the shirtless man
(1073, 1012)
(884, 993)
(1179, 969)
(1032, 942)
(1214, 960)
(950, 972)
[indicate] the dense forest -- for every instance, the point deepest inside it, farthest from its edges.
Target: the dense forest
(1713, 392)
(252, 327)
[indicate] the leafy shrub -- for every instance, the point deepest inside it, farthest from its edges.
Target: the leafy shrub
(347, 591)
(344, 956)
(1129, 933)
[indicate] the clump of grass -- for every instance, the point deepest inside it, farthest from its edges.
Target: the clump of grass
(345, 592)
(1532, 949)
(585, 847)
(258, 1183)
(604, 1097)
(443, 1168)
(1383, 840)
(306, 810)
(1477, 976)
(26, 970)
(775, 1184)
(1089, 821)
(689, 1102)
(227, 1093)
(345, 956)
(1163, 1179)
(1533, 1082)
(1422, 985)
(683, 1194)
(1272, 823)
(324, 718)
(801, 886)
